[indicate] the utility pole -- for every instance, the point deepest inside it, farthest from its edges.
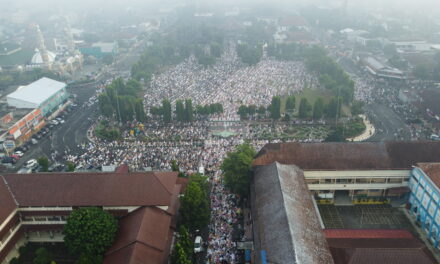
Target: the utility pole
(117, 105)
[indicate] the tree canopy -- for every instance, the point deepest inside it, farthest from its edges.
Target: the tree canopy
(89, 232)
(237, 169)
(194, 206)
(304, 108)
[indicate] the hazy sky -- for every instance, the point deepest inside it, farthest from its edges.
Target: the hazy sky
(428, 6)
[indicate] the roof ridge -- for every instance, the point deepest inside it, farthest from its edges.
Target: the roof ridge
(10, 191)
(161, 183)
(277, 167)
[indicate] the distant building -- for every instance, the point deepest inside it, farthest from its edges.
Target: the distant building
(379, 69)
(100, 49)
(45, 94)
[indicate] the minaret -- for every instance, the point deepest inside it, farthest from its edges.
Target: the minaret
(71, 42)
(42, 46)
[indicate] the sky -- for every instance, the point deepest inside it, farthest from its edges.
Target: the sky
(428, 6)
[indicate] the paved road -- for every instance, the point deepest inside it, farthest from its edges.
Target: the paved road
(389, 126)
(69, 135)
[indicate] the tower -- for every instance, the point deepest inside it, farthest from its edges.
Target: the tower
(42, 46)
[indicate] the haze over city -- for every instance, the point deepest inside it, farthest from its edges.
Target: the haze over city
(219, 132)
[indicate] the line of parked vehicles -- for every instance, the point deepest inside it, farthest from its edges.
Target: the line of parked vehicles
(32, 164)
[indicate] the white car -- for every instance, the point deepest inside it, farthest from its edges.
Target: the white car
(198, 247)
(53, 121)
(19, 153)
(32, 163)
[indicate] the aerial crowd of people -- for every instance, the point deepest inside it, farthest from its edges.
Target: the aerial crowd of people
(195, 146)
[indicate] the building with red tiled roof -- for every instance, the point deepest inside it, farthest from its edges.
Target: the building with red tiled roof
(379, 250)
(367, 233)
(34, 207)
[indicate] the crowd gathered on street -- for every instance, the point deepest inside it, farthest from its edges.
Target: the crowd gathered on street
(195, 146)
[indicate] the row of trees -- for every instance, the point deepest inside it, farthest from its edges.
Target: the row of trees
(183, 248)
(305, 110)
(194, 215)
(332, 76)
(209, 109)
(121, 101)
(184, 110)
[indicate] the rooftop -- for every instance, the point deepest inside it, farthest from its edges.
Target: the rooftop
(432, 170)
(38, 91)
(285, 222)
(91, 189)
(350, 156)
(142, 235)
(390, 251)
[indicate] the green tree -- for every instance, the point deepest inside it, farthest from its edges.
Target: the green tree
(201, 180)
(357, 108)
(237, 169)
(333, 109)
(243, 112)
(105, 105)
(140, 111)
(337, 135)
(318, 108)
(42, 256)
(70, 166)
(44, 163)
(89, 232)
(180, 111)
(179, 256)
(261, 111)
(304, 108)
(185, 240)
(290, 104)
(275, 108)
(189, 111)
(166, 110)
(194, 207)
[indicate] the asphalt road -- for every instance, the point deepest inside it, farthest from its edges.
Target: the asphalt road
(389, 126)
(67, 136)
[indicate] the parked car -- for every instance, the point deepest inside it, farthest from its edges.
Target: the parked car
(198, 247)
(32, 163)
(34, 141)
(19, 153)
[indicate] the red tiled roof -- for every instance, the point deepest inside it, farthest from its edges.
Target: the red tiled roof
(91, 189)
(122, 169)
(432, 170)
(389, 251)
(367, 233)
(7, 203)
(347, 156)
(148, 230)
